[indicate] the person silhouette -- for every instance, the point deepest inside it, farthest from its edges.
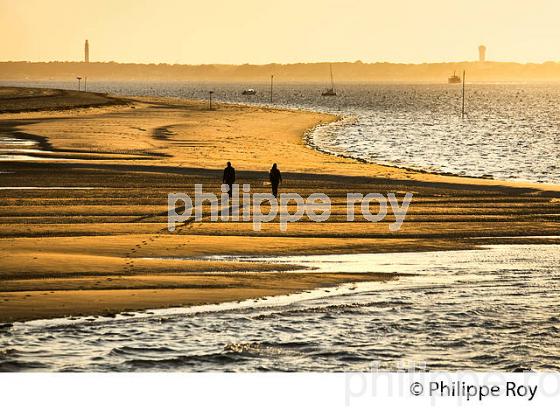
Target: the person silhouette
(275, 179)
(229, 177)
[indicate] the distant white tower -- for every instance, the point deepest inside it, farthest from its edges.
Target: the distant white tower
(482, 54)
(86, 52)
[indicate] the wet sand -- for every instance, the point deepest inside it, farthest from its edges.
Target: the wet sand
(98, 250)
(15, 99)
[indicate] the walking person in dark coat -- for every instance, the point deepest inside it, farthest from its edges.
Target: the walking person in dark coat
(229, 177)
(275, 179)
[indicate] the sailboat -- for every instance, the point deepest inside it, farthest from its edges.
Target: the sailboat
(454, 79)
(329, 92)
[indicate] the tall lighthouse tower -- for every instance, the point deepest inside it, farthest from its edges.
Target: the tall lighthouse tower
(86, 52)
(482, 54)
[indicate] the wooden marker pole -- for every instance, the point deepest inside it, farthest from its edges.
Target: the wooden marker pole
(463, 107)
(271, 84)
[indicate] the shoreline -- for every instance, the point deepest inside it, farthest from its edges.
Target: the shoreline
(83, 252)
(275, 300)
(544, 186)
(32, 100)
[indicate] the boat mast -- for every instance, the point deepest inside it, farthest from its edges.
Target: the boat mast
(463, 98)
(332, 81)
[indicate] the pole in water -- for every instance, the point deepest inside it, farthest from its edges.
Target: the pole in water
(79, 82)
(210, 93)
(271, 83)
(85, 84)
(463, 105)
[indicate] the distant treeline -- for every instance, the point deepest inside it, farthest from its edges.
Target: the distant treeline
(343, 72)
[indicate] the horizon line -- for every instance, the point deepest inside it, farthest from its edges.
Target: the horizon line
(285, 64)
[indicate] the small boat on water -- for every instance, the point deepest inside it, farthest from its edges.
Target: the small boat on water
(248, 91)
(330, 92)
(454, 79)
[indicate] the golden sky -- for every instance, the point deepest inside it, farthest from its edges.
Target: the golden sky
(283, 31)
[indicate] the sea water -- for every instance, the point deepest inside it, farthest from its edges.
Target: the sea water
(493, 309)
(510, 131)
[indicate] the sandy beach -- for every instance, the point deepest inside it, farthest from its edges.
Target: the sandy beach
(101, 244)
